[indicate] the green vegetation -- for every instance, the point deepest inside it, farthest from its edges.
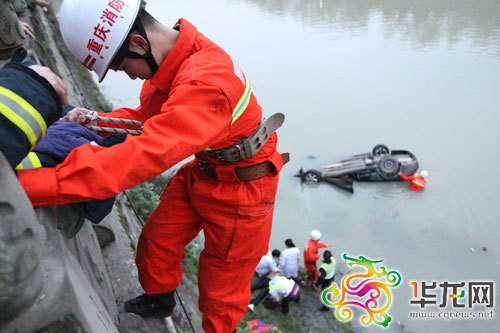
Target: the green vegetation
(144, 199)
(347, 328)
(245, 329)
(302, 273)
(122, 218)
(146, 196)
(88, 85)
(192, 259)
(125, 225)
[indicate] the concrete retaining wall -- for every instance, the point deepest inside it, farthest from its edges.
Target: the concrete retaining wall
(53, 277)
(48, 281)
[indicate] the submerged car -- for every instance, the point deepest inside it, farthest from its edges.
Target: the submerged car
(381, 164)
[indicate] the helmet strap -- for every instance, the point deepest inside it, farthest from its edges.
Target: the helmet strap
(124, 52)
(148, 56)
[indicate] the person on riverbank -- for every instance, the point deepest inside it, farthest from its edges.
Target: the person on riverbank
(267, 264)
(326, 274)
(30, 101)
(289, 261)
(311, 255)
(265, 267)
(417, 181)
(12, 29)
(195, 100)
(284, 291)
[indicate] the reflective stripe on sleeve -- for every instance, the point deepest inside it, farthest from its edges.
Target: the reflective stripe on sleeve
(243, 102)
(29, 162)
(276, 283)
(23, 115)
(418, 182)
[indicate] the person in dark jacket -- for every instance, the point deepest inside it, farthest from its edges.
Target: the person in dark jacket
(30, 101)
(62, 137)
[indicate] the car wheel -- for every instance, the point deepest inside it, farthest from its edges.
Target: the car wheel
(380, 150)
(388, 167)
(311, 176)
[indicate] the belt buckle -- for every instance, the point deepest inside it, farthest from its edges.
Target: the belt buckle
(238, 147)
(231, 154)
(207, 168)
(204, 165)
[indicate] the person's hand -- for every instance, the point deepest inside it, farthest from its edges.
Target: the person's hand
(54, 80)
(27, 29)
(42, 3)
(76, 115)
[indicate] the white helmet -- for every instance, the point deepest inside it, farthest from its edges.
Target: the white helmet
(315, 235)
(424, 174)
(94, 30)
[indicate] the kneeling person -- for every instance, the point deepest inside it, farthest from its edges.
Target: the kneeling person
(284, 290)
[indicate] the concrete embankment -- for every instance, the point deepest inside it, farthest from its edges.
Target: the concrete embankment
(59, 272)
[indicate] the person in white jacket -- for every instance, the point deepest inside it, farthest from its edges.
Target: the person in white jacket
(284, 290)
(289, 260)
(267, 264)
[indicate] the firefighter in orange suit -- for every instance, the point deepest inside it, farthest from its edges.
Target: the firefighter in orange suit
(195, 100)
(311, 255)
(417, 182)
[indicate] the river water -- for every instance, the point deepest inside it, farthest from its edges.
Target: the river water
(420, 75)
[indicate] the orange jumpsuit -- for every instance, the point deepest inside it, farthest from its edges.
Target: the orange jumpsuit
(417, 182)
(186, 107)
(311, 255)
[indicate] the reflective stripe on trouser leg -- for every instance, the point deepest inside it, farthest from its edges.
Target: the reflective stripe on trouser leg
(23, 115)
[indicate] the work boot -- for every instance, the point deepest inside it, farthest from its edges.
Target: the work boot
(151, 305)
